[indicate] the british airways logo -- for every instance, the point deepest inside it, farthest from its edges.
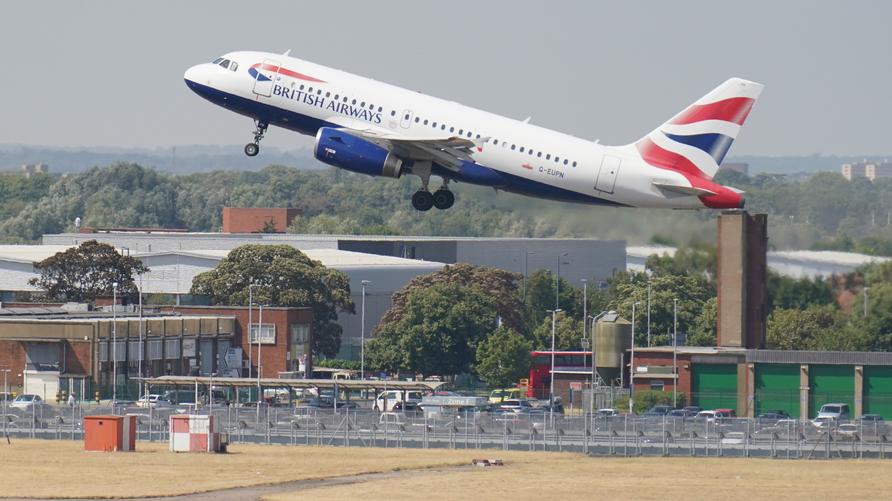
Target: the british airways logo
(274, 70)
(318, 101)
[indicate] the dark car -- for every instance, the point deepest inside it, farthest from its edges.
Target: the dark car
(871, 418)
(772, 416)
(327, 403)
(682, 413)
(658, 410)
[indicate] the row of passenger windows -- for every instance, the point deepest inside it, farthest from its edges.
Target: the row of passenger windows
(442, 126)
(226, 63)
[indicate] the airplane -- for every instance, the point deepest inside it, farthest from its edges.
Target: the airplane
(366, 126)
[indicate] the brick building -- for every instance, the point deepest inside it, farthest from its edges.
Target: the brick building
(257, 220)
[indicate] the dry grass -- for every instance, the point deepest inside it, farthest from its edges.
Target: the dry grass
(57, 468)
(571, 476)
(62, 469)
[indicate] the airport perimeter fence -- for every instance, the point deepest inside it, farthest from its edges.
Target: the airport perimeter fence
(538, 431)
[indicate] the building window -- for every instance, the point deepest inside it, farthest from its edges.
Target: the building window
(657, 385)
(153, 349)
(266, 333)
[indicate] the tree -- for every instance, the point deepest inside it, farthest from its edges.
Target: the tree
(500, 285)
(86, 272)
(786, 292)
(283, 276)
(438, 332)
(503, 358)
(704, 330)
(797, 329)
(567, 333)
(540, 297)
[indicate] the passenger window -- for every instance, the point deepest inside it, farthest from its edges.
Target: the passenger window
(548, 156)
(407, 116)
(461, 132)
(362, 104)
(521, 149)
(469, 134)
(346, 98)
(353, 102)
(574, 164)
(319, 92)
(416, 119)
(393, 113)
(565, 161)
(336, 97)
(372, 107)
(301, 86)
(478, 136)
(557, 159)
(310, 90)
(425, 121)
(512, 147)
(327, 94)
(434, 125)
(452, 129)
(539, 154)
(443, 127)
(380, 109)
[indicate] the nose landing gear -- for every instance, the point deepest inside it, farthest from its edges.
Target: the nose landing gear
(252, 149)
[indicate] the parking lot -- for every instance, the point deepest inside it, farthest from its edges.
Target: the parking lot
(542, 431)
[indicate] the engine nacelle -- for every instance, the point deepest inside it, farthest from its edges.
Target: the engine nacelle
(352, 153)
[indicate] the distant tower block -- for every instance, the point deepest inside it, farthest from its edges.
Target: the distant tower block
(742, 280)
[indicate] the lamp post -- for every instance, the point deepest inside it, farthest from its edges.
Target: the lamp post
(139, 362)
(557, 282)
(674, 352)
(114, 345)
(5, 402)
(554, 313)
(250, 325)
(584, 304)
(632, 362)
(594, 365)
(211, 395)
(526, 257)
(364, 283)
(648, 311)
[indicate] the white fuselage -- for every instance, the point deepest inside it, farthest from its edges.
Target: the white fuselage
(304, 96)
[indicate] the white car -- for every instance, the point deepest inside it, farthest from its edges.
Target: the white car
(26, 401)
(397, 400)
(839, 412)
(151, 401)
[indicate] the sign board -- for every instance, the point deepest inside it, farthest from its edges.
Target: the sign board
(231, 364)
(576, 385)
(189, 347)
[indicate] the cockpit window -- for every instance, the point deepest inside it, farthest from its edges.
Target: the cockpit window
(217, 61)
(225, 63)
(233, 66)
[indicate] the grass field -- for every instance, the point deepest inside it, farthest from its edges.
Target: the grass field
(62, 469)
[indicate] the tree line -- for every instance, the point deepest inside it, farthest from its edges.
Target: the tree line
(823, 211)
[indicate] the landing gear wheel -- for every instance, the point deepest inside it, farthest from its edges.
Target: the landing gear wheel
(443, 199)
(252, 149)
(422, 200)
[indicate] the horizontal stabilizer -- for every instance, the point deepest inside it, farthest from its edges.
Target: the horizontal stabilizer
(683, 190)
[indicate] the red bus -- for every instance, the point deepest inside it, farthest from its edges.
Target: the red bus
(567, 363)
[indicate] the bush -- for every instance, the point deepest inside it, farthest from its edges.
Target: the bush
(646, 399)
(338, 363)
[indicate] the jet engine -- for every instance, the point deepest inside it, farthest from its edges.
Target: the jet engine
(353, 153)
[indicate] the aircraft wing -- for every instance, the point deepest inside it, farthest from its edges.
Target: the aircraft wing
(446, 151)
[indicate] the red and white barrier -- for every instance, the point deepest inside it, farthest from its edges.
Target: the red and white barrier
(194, 433)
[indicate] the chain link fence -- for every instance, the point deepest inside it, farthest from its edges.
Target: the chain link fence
(536, 431)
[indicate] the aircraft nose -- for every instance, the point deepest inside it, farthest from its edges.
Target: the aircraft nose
(197, 75)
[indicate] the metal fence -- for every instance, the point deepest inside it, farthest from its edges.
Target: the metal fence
(587, 433)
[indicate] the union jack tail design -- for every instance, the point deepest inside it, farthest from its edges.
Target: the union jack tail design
(695, 141)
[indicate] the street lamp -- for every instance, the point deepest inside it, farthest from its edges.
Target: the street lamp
(114, 345)
(362, 333)
(584, 304)
(139, 362)
(554, 313)
(250, 325)
(594, 365)
(557, 282)
(865, 300)
(632, 362)
(674, 352)
(5, 401)
(526, 257)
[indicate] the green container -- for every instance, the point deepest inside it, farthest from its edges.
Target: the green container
(714, 386)
(878, 390)
(830, 384)
(777, 388)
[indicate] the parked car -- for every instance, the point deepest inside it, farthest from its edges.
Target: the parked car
(152, 400)
(715, 415)
(773, 415)
(326, 403)
(606, 413)
(517, 406)
(498, 396)
(682, 413)
(658, 410)
(846, 431)
(871, 418)
(834, 411)
(692, 408)
(26, 401)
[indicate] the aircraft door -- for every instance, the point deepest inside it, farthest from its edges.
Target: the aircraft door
(265, 76)
(407, 119)
(606, 179)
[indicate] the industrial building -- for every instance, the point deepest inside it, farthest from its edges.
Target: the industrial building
(51, 347)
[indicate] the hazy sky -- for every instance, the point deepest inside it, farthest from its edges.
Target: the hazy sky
(110, 72)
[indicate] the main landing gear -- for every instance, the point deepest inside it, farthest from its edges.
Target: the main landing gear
(424, 200)
(252, 149)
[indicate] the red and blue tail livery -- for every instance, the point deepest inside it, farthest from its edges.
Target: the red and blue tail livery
(378, 129)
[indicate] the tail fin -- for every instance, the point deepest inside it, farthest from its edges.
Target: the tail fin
(696, 140)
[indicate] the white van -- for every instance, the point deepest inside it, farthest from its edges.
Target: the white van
(397, 400)
(839, 412)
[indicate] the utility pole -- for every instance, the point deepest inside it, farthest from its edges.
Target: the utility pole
(584, 305)
(674, 351)
(554, 313)
(114, 345)
(364, 283)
